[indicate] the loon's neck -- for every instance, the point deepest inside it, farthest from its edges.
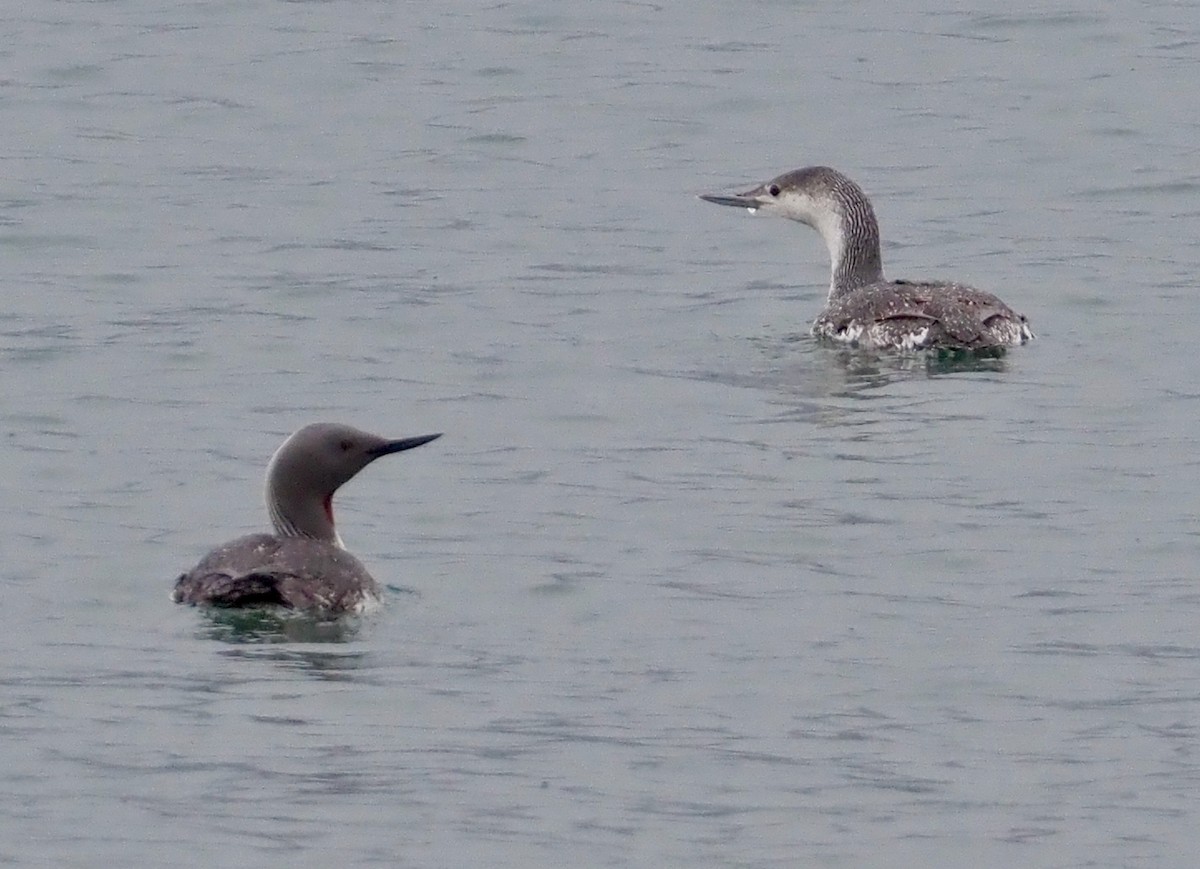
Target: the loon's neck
(852, 237)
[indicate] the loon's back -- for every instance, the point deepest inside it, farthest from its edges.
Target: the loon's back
(269, 570)
(909, 315)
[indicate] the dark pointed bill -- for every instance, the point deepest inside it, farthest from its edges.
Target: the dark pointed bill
(739, 200)
(403, 444)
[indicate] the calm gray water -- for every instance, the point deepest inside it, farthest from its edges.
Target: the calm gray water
(678, 587)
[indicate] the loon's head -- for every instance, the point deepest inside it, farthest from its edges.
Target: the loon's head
(311, 465)
(816, 196)
(834, 206)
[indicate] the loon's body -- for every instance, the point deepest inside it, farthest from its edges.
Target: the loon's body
(303, 565)
(864, 309)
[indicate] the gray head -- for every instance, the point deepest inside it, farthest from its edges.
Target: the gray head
(311, 465)
(834, 206)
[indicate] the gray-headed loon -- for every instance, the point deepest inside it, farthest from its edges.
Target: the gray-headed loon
(863, 309)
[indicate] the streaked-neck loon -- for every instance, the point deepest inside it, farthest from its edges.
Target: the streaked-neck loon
(863, 309)
(303, 565)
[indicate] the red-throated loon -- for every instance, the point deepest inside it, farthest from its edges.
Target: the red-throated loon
(863, 309)
(303, 565)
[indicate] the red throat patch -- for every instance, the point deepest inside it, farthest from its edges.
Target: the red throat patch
(329, 508)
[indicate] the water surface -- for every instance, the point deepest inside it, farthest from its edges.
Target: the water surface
(678, 587)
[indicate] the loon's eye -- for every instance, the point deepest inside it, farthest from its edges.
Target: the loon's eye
(346, 445)
(773, 189)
